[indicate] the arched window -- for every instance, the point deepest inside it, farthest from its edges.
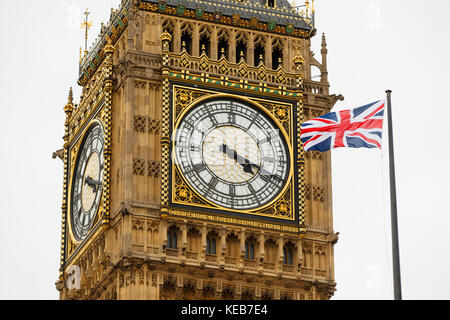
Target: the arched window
(205, 40)
(241, 51)
(250, 245)
(186, 37)
(288, 254)
(172, 238)
(168, 27)
(241, 46)
(260, 52)
(222, 43)
(249, 251)
(271, 3)
(211, 244)
(277, 53)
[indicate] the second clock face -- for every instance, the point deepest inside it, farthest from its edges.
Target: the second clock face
(87, 183)
(232, 154)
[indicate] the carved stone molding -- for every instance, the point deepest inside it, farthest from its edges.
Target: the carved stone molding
(315, 193)
(150, 168)
(144, 124)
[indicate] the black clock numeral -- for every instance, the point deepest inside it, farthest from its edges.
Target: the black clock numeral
(188, 126)
(266, 178)
(277, 178)
(232, 191)
(199, 167)
(213, 120)
(213, 183)
(253, 119)
(231, 118)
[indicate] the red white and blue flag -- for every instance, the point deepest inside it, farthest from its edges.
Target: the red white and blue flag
(357, 128)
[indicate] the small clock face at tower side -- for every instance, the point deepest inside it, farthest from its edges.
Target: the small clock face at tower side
(87, 182)
(232, 154)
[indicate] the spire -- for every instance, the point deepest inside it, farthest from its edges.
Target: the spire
(86, 25)
(68, 108)
(261, 59)
(324, 43)
(203, 50)
(70, 98)
(280, 63)
(242, 56)
(324, 53)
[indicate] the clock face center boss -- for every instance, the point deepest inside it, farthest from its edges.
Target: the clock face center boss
(232, 154)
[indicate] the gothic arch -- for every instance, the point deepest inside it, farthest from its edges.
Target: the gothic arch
(242, 46)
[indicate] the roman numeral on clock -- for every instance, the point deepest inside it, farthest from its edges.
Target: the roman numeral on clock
(213, 183)
(232, 191)
(199, 167)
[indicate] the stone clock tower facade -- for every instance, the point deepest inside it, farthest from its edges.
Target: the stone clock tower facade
(184, 175)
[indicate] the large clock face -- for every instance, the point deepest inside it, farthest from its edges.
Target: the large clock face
(232, 154)
(87, 182)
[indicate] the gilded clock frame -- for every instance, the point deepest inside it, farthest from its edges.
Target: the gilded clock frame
(258, 102)
(77, 148)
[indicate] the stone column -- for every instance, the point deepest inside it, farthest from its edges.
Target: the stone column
(251, 49)
(196, 41)
(214, 43)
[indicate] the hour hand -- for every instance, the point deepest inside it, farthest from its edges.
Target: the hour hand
(94, 184)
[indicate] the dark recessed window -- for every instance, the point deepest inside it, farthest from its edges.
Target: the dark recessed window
(288, 254)
(249, 250)
(172, 239)
(211, 245)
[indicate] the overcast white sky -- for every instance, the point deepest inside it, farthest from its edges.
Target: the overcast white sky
(373, 46)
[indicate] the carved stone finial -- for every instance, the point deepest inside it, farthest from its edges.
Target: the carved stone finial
(299, 61)
(70, 99)
(261, 59)
(324, 41)
(203, 49)
(165, 36)
(68, 108)
(109, 48)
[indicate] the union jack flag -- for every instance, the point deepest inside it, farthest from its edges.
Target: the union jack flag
(357, 128)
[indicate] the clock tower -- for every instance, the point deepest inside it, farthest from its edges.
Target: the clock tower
(184, 174)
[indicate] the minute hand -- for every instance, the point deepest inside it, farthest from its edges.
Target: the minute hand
(245, 163)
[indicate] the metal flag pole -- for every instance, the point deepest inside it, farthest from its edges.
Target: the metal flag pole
(394, 221)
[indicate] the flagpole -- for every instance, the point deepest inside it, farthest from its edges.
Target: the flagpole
(394, 220)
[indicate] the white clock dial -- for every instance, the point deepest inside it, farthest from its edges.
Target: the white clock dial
(232, 154)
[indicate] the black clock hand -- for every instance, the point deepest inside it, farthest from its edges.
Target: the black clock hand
(94, 184)
(245, 163)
